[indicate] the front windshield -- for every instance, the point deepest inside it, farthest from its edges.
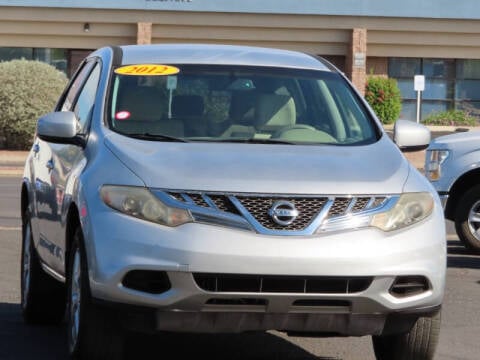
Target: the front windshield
(235, 104)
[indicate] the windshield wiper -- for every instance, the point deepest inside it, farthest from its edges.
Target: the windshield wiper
(255, 141)
(153, 137)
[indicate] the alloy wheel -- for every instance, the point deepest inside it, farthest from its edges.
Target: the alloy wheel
(26, 271)
(474, 220)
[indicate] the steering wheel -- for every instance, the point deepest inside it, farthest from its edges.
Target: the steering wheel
(304, 132)
(293, 127)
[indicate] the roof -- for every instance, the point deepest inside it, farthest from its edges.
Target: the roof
(220, 55)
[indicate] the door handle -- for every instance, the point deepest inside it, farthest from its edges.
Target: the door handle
(36, 148)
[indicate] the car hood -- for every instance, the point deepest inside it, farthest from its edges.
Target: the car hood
(458, 140)
(378, 168)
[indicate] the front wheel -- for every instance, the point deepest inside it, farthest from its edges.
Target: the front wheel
(467, 219)
(93, 332)
(418, 344)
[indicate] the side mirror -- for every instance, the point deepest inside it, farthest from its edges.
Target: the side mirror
(410, 136)
(60, 127)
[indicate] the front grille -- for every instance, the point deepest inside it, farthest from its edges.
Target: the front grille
(258, 207)
(339, 207)
(223, 203)
(281, 284)
(360, 204)
(198, 199)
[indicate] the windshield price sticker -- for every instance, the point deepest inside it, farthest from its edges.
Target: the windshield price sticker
(147, 70)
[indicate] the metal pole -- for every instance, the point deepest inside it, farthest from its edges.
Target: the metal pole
(418, 105)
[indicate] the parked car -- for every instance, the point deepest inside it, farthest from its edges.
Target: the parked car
(219, 189)
(452, 164)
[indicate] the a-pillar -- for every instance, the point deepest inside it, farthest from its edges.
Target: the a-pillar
(144, 33)
(356, 67)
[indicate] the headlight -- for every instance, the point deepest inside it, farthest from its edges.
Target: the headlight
(433, 166)
(408, 210)
(142, 204)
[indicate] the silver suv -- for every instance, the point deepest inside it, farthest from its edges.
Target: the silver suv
(212, 189)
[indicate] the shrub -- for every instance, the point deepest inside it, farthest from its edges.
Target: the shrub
(383, 95)
(451, 117)
(28, 89)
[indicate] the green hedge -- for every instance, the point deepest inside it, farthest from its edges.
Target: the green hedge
(451, 117)
(28, 89)
(384, 97)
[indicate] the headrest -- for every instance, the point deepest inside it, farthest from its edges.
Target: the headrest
(273, 111)
(187, 106)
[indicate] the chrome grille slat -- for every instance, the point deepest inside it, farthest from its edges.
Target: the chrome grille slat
(221, 202)
(253, 211)
(209, 201)
(198, 200)
(378, 201)
(258, 207)
(177, 196)
(360, 204)
(370, 203)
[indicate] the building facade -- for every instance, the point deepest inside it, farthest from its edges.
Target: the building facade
(437, 38)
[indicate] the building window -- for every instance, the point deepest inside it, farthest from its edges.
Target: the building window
(55, 57)
(467, 96)
(439, 84)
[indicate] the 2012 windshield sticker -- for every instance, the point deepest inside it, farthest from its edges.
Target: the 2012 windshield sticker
(147, 70)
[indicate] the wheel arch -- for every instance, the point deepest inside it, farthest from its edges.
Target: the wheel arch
(24, 200)
(461, 185)
(73, 221)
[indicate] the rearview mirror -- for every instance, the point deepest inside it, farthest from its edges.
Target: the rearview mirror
(59, 127)
(411, 136)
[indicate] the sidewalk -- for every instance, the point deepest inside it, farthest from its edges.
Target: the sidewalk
(12, 162)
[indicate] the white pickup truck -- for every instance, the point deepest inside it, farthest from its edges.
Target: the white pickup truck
(452, 164)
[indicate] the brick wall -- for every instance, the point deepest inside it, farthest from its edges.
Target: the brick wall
(356, 59)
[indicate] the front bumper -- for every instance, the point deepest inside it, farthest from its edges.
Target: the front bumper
(117, 244)
(151, 320)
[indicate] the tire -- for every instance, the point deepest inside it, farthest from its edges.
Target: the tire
(467, 219)
(42, 297)
(93, 332)
(418, 344)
